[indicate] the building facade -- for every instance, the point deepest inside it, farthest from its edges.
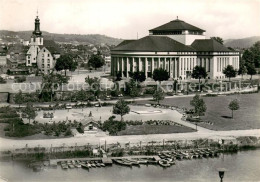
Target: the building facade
(42, 53)
(176, 47)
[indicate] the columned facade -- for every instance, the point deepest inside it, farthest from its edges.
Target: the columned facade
(176, 47)
(178, 65)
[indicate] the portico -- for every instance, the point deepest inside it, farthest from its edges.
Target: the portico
(161, 49)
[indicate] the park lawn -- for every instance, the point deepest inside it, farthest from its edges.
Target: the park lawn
(154, 129)
(247, 117)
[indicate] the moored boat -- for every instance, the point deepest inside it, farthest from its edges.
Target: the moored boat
(164, 163)
(84, 166)
(123, 163)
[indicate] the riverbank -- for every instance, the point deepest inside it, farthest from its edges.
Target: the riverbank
(242, 167)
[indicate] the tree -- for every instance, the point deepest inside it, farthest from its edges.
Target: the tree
(66, 62)
(158, 95)
(18, 98)
(160, 74)
(138, 76)
(49, 83)
(230, 72)
(242, 69)
(121, 108)
(133, 88)
(96, 61)
(29, 112)
(198, 104)
(199, 72)
(219, 39)
(255, 49)
(94, 85)
(251, 70)
(81, 96)
(252, 55)
(233, 105)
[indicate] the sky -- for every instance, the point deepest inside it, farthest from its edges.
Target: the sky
(128, 18)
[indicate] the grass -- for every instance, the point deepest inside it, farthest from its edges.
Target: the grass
(154, 129)
(247, 117)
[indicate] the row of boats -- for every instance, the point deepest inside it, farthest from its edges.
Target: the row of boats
(188, 154)
(134, 161)
(166, 159)
(81, 164)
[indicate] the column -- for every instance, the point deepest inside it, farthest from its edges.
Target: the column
(188, 63)
(179, 67)
(182, 63)
(139, 64)
(146, 67)
(128, 67)
(117, 64)
(175, 67)
(122, 66)
(152, 65)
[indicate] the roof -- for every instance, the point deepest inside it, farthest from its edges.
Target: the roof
(52, 46)
(125, 42)
(154, 44)
(209, 45)
(176, 25)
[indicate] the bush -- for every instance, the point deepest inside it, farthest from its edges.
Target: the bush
(133, 123)
(10, 120)
(113, 126)
(2, 80)
(149, 90)
(9, 115)
(68, 132)
(80, 129)
(20, 79)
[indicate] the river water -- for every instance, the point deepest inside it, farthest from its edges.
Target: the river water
(243, 166)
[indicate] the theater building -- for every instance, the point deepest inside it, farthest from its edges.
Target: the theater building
(176, 47)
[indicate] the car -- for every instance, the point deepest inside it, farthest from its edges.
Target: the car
(148, 105)
(68, 106)
(120, 95)
(108, 97)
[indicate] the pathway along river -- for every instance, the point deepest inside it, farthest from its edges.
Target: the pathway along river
(243, 166)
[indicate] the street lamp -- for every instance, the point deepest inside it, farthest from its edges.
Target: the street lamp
(221, 172)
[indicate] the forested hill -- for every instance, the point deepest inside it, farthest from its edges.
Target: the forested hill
(241, 43)
(68, 38)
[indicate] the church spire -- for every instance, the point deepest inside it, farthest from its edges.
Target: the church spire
(37, 32)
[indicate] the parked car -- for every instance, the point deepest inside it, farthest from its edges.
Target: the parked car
(68, 106)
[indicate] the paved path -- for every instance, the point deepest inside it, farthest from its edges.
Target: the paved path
(10, 144)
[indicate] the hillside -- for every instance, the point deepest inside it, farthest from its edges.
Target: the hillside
(241, 43)
(66, 38)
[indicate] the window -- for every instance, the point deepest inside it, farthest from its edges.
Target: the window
(43, 50)
(48, 55)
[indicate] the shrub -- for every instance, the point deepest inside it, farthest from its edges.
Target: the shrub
(2, 80)
(113, 126)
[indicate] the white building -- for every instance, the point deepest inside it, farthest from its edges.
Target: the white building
(42, 53)
(176, 47)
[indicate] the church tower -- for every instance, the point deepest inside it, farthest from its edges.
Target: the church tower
(36, 42)
(36, 38)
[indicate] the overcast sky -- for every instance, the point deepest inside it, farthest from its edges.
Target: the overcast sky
(123, 19)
